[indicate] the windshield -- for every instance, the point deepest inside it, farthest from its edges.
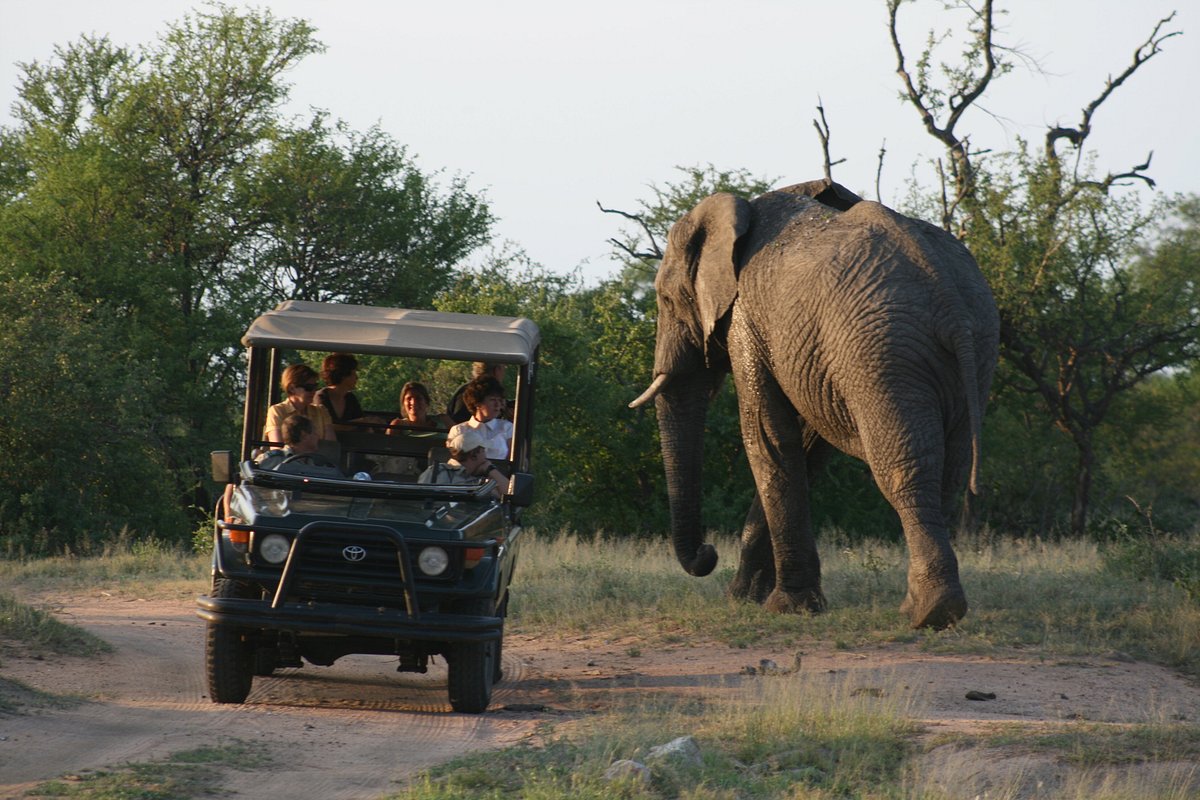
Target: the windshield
(436, 515)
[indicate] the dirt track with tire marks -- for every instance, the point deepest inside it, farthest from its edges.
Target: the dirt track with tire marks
(359, 729)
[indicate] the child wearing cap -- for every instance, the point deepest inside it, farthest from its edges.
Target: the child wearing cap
(468, 463)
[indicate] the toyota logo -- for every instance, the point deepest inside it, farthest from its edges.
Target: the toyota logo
(354, 553)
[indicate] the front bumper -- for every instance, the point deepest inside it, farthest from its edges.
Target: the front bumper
(324, 617)
(342, 620)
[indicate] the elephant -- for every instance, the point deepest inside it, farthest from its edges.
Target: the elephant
(845, 325)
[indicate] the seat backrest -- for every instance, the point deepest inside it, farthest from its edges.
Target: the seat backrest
(331, 450)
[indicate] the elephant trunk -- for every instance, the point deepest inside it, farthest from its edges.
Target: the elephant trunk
(682, 408)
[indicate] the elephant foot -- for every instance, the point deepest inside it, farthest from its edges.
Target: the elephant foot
(810, 601)
(935, 610)
(755, 588)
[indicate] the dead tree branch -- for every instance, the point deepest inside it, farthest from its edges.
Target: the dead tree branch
(879, 169)
(823, 132)
(1144, 52)
(655, 254)
(1078, 135)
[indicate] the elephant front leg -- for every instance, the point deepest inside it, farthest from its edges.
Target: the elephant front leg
(755, 576)
(775, 449)
(797, 563)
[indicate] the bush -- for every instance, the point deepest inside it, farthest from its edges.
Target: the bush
(1167, 558)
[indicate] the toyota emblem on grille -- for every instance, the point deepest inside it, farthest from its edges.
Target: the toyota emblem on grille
(354, 553)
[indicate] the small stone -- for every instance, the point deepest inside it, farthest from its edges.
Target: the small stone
(683, 749)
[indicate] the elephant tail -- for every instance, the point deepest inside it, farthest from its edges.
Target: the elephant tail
(968, 372)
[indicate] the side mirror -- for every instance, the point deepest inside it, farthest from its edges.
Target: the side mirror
(224, 466)
(520, 489)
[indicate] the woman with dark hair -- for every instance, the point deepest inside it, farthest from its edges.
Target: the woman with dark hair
(484, 396)
(340, 373)
(414, 410)
(299, 388)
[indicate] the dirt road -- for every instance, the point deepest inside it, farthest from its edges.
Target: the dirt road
(359, 729)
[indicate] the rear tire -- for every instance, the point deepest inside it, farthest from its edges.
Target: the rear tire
(228, 656)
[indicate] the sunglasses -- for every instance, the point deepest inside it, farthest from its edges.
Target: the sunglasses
(308, 387)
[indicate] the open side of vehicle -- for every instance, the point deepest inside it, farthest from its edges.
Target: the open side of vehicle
(344, 552)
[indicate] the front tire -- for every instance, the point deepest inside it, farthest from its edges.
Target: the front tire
(228, 656)
(473, 667)
(498, 669)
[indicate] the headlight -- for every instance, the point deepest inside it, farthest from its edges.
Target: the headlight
(274, 548)
(433, 561)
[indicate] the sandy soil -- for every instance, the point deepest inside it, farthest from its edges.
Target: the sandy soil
(359, 729)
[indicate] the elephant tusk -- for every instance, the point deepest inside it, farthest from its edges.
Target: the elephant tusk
(660, 380)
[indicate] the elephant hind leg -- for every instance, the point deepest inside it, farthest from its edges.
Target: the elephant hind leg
(756, 568)
(938, 610)
(935, 597)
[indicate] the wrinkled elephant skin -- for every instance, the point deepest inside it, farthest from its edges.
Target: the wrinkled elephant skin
(845, 325)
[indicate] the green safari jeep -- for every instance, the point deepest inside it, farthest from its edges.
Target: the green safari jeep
(343, 551)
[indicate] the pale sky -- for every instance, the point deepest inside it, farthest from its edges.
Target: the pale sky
(548, 106)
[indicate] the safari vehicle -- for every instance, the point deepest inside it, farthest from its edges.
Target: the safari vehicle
(332, 554)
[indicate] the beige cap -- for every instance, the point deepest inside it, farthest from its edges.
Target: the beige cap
(466, 440)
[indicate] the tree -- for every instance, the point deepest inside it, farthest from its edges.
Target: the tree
(1154, 436)
(1081, 323)
(160, 185)
(83, 450)
(355, 223)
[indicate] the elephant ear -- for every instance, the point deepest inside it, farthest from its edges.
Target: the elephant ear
(718, 221)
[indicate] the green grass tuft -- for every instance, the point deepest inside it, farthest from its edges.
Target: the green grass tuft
(182, 776)
(39, 632)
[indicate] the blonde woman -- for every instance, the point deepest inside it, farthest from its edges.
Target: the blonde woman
(299, 387)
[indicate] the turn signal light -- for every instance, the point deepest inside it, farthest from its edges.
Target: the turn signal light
(239, 536)
(472, 555)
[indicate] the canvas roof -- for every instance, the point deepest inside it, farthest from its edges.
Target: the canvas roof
(304, 325)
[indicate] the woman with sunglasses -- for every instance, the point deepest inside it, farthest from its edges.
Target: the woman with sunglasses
(299, 387)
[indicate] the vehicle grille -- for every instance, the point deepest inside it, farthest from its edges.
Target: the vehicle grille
(326, 574)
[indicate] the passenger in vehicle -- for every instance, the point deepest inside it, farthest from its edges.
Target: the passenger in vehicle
(457, 409)
(299, 387)
(299, 439)
(414, 410)
(468, 464)
(340, 373)
(484, 396)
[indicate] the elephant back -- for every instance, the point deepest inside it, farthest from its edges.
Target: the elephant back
(780, 219)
